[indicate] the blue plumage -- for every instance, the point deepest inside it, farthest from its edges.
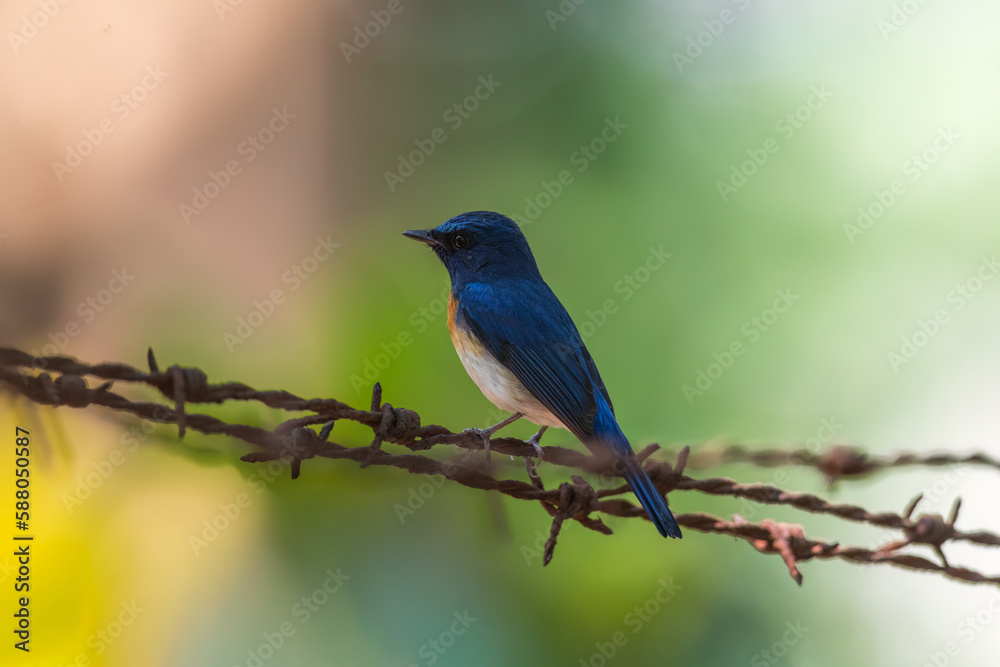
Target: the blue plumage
(607, 431)
(521, 347)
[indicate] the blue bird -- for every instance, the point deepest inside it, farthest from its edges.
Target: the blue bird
(520, 346)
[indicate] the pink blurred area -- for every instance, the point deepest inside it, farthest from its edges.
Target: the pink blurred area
(155, 99)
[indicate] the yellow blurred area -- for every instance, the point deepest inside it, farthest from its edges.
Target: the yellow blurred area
(119, 559)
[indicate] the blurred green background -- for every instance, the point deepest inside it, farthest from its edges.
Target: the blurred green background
(747, 140)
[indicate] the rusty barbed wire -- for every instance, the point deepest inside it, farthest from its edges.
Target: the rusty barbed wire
(836, 462)
(293, 441)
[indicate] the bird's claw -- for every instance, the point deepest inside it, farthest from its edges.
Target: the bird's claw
(534, 440)
(486, 434)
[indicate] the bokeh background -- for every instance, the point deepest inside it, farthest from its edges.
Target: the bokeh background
(116, 116)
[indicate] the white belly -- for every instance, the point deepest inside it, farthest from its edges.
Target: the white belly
(501, 386)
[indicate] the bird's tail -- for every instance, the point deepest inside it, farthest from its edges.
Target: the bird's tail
(608, 433)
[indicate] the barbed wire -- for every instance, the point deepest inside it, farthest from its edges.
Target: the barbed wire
(294, 442)
(836, 462)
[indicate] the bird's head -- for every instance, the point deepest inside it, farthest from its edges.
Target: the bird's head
(479, 246)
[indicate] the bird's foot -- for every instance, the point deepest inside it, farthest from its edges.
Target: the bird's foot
(487, 433)
(535, 439)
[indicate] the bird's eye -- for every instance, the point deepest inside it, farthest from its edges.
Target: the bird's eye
(460, 241)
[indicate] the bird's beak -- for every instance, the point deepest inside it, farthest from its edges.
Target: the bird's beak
(423, 235)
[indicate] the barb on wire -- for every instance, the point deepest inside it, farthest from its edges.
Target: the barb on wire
(293, 442)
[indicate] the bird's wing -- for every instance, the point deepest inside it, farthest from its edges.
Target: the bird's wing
(526, 328)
